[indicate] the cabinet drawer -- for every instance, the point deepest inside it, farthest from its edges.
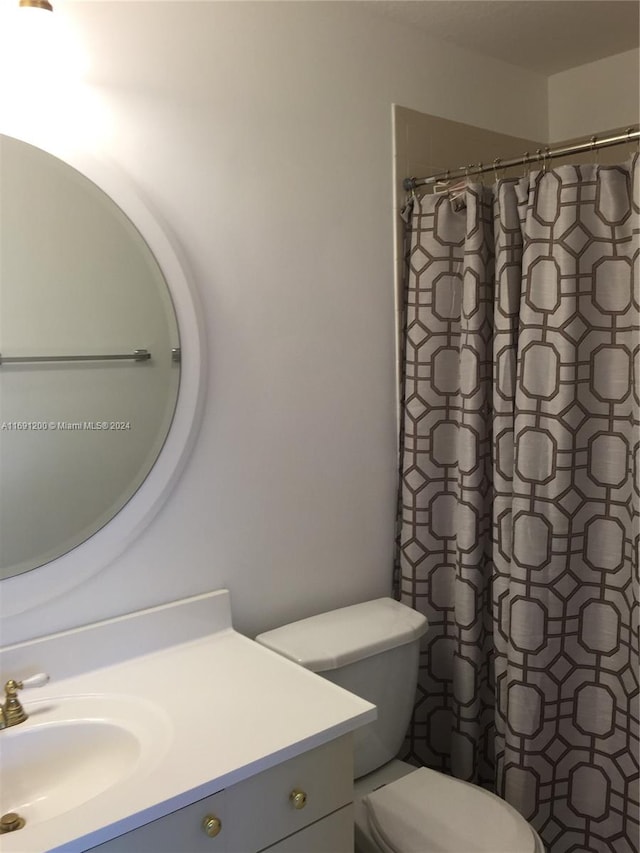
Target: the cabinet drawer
(179, 831)
(262, 809)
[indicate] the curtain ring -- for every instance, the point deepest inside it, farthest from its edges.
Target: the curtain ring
(527, 163)
(541, 160)
(630, 130)
(496, 166)
(594, 139)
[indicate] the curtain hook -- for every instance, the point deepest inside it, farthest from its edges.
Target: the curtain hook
(541, 160)
(594, 139)
(630, 130)
(445, 181)
(496, 166)
(527, 163)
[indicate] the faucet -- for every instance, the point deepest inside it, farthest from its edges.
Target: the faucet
(12, 712)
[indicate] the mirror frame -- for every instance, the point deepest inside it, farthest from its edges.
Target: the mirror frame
(36, 587)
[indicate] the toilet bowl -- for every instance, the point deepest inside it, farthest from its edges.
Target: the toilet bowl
(372, 650)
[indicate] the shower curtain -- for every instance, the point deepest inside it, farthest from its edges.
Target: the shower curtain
(519, 505)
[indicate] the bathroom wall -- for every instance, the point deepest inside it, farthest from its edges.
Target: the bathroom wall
(261, 134)
(595, 97)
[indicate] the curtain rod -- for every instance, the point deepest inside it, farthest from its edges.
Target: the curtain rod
(541, 156)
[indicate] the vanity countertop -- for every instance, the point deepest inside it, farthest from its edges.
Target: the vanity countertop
(225, 707)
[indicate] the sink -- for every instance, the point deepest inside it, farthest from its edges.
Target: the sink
(74, 749)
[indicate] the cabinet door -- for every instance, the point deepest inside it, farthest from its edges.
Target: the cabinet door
(332, 834)
(179, 832)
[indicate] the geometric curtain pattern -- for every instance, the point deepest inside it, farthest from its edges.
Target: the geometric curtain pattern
(519, 508)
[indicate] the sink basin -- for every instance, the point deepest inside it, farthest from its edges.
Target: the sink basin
(71, 750)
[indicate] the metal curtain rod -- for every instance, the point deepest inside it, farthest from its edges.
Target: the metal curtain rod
(136, 355)
(541, 156)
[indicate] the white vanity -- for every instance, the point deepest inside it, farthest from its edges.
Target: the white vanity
(167, 731)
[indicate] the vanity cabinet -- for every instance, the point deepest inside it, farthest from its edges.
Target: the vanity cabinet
(303, 805)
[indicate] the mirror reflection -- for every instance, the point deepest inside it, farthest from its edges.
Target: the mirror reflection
(83, 415)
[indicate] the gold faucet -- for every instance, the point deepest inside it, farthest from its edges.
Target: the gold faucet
(12, 713)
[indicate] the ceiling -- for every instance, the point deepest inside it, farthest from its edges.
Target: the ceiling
(546, 36)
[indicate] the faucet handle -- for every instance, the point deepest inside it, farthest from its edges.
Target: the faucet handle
(37, 680)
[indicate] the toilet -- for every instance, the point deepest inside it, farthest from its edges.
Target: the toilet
(372, 650)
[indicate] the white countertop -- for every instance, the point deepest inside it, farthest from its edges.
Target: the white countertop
(229, 708)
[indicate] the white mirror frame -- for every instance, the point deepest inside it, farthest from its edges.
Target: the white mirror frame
(26, 591)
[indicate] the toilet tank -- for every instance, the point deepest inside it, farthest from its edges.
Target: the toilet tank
(370, 649)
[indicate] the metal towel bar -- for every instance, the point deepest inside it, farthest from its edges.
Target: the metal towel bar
(136, 355)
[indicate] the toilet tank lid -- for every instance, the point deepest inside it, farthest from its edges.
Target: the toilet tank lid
(339, 637)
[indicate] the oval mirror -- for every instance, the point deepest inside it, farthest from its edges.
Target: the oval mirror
(90, 360)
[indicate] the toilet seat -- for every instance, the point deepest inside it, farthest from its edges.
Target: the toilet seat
(428, 812)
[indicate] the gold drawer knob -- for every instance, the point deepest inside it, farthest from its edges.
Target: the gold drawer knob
(298, 799)
(211, 825)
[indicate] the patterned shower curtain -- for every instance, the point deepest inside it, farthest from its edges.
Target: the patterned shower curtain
(519, 509)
